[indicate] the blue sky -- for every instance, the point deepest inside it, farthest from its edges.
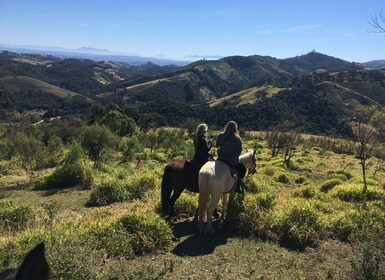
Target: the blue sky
(181, 28)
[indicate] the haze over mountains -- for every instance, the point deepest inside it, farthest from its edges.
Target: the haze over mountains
(100, 54)
(316, 92)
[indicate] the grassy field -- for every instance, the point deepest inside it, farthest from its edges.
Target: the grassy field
(86, 241)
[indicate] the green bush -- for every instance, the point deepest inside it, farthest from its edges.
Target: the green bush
(108, 193)
(256, 218)
(330, 184)
(148, 232)
(283, 178)
(344, 224)
(14, 216)
(360, 180)
(307, 192)
(138, 186)
(299, 226)
(256, 185)
(186, 205)
(74, 171)
(300, 180)
(354, 193)
(368, 245)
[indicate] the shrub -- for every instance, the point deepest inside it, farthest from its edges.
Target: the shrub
(186, 205)
(307, 192)
(300, 226)
(108, 193)
(138, 186)
(256, 185)
(300, 180)
(256, 217)
(354, 193)
(148, 232)
(344, 224)
(14, 216)
(360, 180)
(96, 139)
(75, 170)
(283, 178)
(368, 245)
(330, 184)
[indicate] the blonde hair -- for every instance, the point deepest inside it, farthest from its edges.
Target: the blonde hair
(231, 128)
(201, 129)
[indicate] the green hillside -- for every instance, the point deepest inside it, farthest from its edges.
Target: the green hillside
(26, 93)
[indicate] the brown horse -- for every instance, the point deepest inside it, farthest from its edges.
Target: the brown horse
(178, 175)
(34, 267)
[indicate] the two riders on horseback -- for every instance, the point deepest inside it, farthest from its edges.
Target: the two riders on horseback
(229, 145)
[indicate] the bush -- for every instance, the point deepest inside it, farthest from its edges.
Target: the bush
(138, 186)
(354, 193)
(368, 245)
(148, 232)
(300, 180)
(14, 216)
(283, 178)
(300, 226)
(96, 139)
(360, 180)
(74, 171)
(256, 218)
(330, 184)
(108, 193)
(344, 224)
(186, 205)
(307, 192)
(256, 185)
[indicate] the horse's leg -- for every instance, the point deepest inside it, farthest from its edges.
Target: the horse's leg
(224, 207)
(210, 211)
(175, 195)
(204, 196)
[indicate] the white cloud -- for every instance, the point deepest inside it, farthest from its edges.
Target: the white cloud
(303, 28)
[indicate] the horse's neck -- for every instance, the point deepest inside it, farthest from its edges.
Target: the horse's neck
(245, 159)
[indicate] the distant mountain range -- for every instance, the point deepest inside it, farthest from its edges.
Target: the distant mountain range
(98, 55)
(317, 92)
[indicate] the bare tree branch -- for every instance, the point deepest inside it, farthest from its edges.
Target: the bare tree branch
(377, 21)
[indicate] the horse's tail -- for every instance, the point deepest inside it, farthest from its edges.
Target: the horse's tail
(166, 190)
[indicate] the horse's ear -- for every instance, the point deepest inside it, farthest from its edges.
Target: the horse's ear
(34, 266)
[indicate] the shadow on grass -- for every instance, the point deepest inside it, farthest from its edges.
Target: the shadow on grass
(55, 191)
(196, 244)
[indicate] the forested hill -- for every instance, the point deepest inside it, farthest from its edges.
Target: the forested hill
(318, 93)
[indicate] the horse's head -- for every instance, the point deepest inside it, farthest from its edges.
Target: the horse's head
(249, 161)
(34, 266)
(253, 168)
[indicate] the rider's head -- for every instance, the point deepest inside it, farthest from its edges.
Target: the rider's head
(201, 129)
(231, 128)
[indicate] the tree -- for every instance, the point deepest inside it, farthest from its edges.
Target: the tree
(29, 152)
(367, 129)
(119, 123)
(96, 140)
(377, 21)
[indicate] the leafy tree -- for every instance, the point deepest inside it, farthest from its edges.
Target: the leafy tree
(29, 152)
(119, 123)
(129, 147)
(96, 139)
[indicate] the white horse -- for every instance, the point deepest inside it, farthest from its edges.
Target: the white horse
(215, 179)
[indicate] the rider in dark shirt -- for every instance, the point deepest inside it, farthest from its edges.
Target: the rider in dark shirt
(202, 147)
(229, 148)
